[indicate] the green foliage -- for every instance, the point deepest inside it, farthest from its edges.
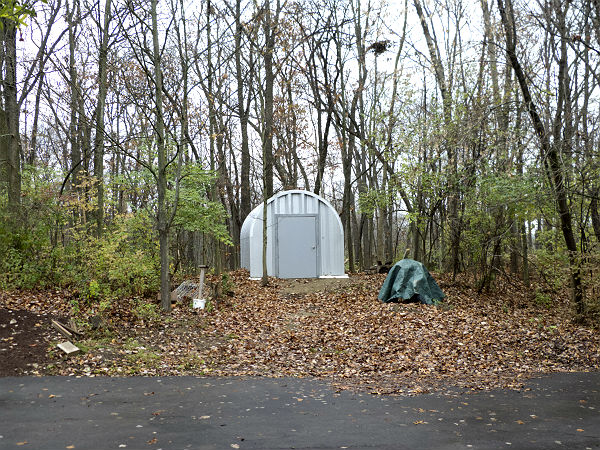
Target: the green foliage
(93, 290)
(17, 12)
(552, 268)
(123, 263)
(104, 305)
(75, 308)
(371, 200)
(146, 311)
(28, 241)
(195, 212)
(138, 356)
(227, 285)
(492, 203)
(40, 250)
(542, 299)
(522, 194)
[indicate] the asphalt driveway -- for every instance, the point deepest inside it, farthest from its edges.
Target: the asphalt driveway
(557, 411)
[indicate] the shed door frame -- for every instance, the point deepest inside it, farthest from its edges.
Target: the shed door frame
(317, 240)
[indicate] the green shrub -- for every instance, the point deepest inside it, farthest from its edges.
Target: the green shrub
(146, 311)
(122, 263)
(28, 241)
(227, 284)
(542, 299)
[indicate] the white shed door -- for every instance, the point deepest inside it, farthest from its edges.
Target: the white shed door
(297, 246)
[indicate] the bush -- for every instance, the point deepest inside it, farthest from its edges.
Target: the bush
(122, 263)
(28, 242)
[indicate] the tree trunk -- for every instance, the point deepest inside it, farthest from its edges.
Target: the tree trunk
(524, 255)
(269, 29)
(99, 137)
(163, 226)
(245, 203)
(550, 154)
(453, 200)
(12, 144)
(348, 203)
(74, 136)
(595, 215)
(36, 114)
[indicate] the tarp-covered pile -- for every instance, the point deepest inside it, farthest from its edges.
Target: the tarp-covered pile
(410, 280)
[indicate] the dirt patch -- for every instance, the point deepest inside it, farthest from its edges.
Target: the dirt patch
(24, 340)
(312, 285)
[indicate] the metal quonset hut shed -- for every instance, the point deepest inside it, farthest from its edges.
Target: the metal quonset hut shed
(305, 238)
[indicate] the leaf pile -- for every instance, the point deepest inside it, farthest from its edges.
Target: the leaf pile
(470, 341)
(340, 331)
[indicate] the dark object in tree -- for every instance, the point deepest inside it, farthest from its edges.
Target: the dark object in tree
(379, 47)
(384, 268)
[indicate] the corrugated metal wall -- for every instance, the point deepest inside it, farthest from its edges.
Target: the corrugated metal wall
(330, 234)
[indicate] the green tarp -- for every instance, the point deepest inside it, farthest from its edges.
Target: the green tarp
(410, 280)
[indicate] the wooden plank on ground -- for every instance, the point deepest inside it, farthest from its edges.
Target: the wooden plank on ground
(69, 348)
(71, 327)
(62, 329)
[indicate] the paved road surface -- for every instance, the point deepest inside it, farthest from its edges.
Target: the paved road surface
(559, 412)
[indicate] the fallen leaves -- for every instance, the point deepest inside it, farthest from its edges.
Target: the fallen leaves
(348, 335)
(341, 332)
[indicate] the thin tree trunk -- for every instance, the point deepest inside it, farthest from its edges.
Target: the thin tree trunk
(163, 226)
(269, 29)
(99, 137)
(453, 200)
(11, 114)
(36, 113)
(245, 205)
(595, 214)
(524, 254)
(74, 102)
(552, 161)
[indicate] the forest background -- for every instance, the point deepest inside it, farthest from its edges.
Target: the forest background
(136, 136)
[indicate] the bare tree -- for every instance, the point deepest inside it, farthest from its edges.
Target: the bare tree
(555, 170)
(445, 91)
(100, 106)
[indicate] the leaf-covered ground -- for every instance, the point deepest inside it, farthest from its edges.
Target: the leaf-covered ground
(331, 329)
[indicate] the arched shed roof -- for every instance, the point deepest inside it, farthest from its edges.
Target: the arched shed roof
(329, 234)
